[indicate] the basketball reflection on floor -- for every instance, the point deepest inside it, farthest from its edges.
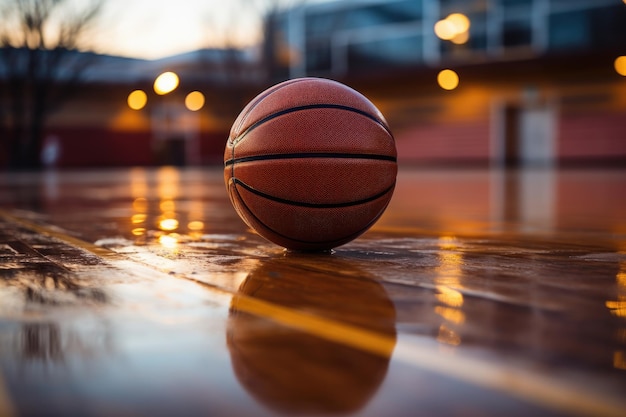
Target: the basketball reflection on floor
(293, 371)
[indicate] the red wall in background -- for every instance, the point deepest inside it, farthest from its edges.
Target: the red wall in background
(585, 136)
(212, 147)
(96, 147)
(592, 135)
(466, 141)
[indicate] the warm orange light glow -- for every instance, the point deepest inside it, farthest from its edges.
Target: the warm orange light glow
(447, 242)
(169, 241)
(166, 83)
(448, 296)
(137, 100)
(448, 336)
(168, 224)
(139, 231)
(138, 218)
(618, 308)
(620, 64)
(452, 315)
(453, 28)
(448, 79)
(168, 179)
(460, 38)
(195, 225)
(140, 204)
(460, 22)
(444, 29)
(138, 185)
(194, 101)
(167, 205)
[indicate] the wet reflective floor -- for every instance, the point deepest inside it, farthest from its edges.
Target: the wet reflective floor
(478, 293)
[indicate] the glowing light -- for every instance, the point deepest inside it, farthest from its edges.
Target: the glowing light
(448, 336)
(168, 183)
(195, 225)
(620, 64)
(460, 38)
(444, 29)
(140, 204)
(139, 231)
(169, 241)
(167, 205)
(137, 100)
(448, 296)
(194, 101)
(166, 83)
(138, 218)
(452, 315)
(448, 79)
(138, 183)
(460, 22)
(447, 242)
(453, 28)
(168, 224)
(618, 308)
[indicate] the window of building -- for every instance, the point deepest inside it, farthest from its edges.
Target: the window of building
(569, 30)
(385, 53)
(382, 14)
(343, 32)
(517, 28)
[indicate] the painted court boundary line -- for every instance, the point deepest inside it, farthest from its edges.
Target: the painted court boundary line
(537, 389)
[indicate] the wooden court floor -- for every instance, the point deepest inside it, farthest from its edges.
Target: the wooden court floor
(139, 292)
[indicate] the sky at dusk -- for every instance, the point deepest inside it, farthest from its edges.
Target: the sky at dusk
(157, 28)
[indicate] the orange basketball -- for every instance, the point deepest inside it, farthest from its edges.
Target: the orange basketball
(310, 164)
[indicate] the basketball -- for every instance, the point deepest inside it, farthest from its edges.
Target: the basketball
(310, 164)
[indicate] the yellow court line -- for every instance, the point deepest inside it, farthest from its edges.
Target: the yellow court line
(6, 406)
(541, 390)
(44, 230)
(331, 330)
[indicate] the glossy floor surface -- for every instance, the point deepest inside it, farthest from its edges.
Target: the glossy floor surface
(478, 293)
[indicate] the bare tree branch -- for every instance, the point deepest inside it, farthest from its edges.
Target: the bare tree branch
(39, 65)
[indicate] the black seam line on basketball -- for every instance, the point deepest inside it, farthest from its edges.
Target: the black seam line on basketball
(311, 205)
(265, 95)
(310, 107)
(349, 237)
(271, 229)
(316, 155)
(311, 242)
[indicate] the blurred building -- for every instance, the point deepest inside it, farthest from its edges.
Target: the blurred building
(95, 124)
(499, 82)
(531, 81)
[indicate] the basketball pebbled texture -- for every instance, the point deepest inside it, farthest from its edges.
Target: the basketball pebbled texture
(310, 164)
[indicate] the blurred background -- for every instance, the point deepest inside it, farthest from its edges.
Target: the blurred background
(471, 82)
